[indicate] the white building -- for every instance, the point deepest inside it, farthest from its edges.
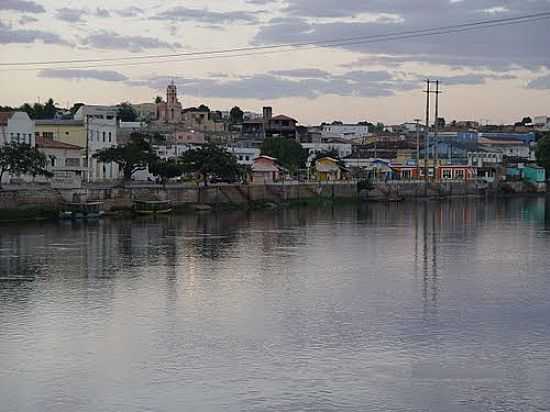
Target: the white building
(343, 149)
(345, 131)
(64, 162)
(542, 122)
(101, 128)
(245, 155)
(16, 127)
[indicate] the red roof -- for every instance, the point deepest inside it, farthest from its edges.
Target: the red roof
(4, 117)
(54, 144)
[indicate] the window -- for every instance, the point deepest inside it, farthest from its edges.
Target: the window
(103, 137)
(109, 117)
(52, 161)
(247, 157)
(72, 162)
(66, 133)
(18, 137)
(110, 139)
(97, 135)
(446, 174)
(48, 135)
(459, 174)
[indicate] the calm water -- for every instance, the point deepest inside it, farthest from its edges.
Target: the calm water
(428, 307)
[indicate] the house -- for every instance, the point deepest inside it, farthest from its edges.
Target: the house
(328, 169)
(456, 172)
(265, 169)
(188, 137)
(345, 131)
(343, 149)
(16, 127)
(199, 119)
(72, 132)
(534, 174)
(245, 155)
(508, 148)
(65, 161)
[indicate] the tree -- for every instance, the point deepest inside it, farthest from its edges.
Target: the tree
(126, 112)
(289, 153)
(75, 108)
(211, 161)
(542, 152)
(158, 99)
(137, 155)
(203, 108)
(36, 163)
(21, 158)
(236, 115)
(166, 169)
(49, 110)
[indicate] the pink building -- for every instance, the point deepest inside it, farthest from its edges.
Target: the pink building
(170, 110)
(265, 169)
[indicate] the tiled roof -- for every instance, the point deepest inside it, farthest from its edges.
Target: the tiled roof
(54, 144)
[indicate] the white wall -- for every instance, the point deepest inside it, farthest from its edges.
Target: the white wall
(20, 129)
(346, 131)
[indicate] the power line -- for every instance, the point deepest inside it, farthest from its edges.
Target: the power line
(300, 45)
(258, 53)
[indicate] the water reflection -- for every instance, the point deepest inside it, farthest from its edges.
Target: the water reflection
(410, 306)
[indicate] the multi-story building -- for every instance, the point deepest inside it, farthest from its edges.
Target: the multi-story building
(146, 111)
(170, 111)
(65, 162)
(345, 131)
(203, 120)
(245, 155)
(101, 126)
(342, 149)
(16, 127)
(67, 131)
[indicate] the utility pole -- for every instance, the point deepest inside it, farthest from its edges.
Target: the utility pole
(436, 138)
(427, 131)
(417, 148)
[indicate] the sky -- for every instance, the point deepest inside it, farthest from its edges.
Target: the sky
(496, 75)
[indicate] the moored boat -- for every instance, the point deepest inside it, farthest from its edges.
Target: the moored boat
(82, 210)
(152, 207)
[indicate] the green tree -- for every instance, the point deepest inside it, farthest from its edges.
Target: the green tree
(126, 112)
(166, 169)
(75, 107)
(236, 115)
(137, 155)
(49, 110)
(542, 152)
(158, 99)
(21, 158)
(211, 161)
(289, 153)
(203, 108)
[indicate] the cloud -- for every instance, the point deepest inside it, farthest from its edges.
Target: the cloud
(289, 83)
(307, 73)
(129, 11)
(9, 36)
(184, 14)
(27, 19)
(22, 5)
(541, 83)
(115, 41)
(70, 15)
(519, 45)
(75, 74)
(100, 12)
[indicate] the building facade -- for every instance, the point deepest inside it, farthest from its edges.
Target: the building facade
(345, 131)
(170, 111)
(16, 127)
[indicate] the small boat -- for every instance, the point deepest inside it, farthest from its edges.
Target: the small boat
(82, 210)
(152, 207)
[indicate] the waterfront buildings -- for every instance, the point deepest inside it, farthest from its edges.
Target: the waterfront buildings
(16, 127)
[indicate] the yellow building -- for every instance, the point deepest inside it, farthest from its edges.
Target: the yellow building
(328, 169)
(67, 131)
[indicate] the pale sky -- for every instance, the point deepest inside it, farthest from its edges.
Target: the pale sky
(499, 74)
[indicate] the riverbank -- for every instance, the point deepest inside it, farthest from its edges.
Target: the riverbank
(43, 203)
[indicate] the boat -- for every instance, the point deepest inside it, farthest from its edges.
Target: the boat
(152, 207)
(82, 210)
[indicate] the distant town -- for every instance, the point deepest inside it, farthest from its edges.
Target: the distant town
(74, 145)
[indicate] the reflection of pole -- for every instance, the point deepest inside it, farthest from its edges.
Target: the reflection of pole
(436, 152)
(86, 117)
(427, 131)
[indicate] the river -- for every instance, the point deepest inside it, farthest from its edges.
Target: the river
(429, 306)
